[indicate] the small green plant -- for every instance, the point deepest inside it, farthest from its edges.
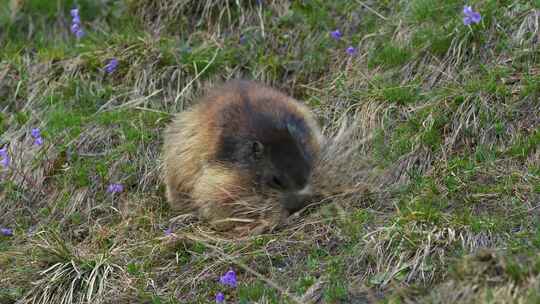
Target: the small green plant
(389, 56)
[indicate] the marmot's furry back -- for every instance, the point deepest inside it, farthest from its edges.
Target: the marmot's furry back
(241, 147)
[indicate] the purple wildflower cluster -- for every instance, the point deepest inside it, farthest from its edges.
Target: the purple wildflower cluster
(337, 35)
(470, 16)
(36, 134)
(220, 297)
(351, 50)
(228, 279)
(4, 157)
(76, 23)
(111, 66)
(115, 188)
(6, 231)
(77, 30)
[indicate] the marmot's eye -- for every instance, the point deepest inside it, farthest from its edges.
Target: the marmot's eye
(257, 150)
(276, 183)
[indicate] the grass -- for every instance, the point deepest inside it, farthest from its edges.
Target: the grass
(439, 151)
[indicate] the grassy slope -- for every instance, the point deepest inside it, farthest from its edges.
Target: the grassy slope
(452, 114)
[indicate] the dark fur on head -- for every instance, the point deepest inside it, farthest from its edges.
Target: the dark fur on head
(272, 147)
(277, 164)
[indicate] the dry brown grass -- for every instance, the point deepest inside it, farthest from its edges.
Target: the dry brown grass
(392, 223)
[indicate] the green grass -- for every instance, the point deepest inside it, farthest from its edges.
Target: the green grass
(389, 55)
(453, 180)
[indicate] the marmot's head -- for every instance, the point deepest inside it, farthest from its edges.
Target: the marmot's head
(271, 139)
(278, 161)
(281, 164)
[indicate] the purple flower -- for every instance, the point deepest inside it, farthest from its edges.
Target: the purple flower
(115, 188)
(336, 34)
(79, 34)
(76, 24)
(470, 16)
(6, 231)
(168, 231)
(36, 134)
(75, 27)
(111, 66)
(5, 157)
(351, 50)
(220, 298)
(229, 279)
(5, 162)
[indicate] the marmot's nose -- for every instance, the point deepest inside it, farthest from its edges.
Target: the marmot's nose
(300, 182)
(294, 201)
(305, 191)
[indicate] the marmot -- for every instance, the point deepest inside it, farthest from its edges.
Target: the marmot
(238, 146)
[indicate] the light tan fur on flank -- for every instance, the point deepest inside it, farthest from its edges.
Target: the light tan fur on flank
(196, 180)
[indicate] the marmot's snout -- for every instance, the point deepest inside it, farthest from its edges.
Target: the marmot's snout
(295, 201)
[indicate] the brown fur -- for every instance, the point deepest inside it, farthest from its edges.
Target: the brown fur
(221, 191)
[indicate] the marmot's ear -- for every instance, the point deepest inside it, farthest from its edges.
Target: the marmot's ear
(257, 149)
